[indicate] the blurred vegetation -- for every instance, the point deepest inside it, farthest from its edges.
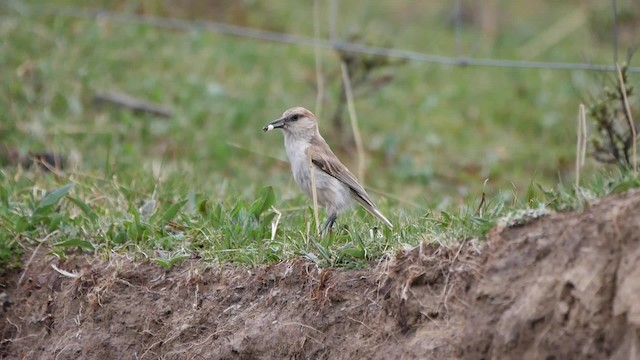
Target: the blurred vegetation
(614, 134)
(433, 134)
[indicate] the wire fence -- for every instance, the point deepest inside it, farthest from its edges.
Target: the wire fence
(332, 43)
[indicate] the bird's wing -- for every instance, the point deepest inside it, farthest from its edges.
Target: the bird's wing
(324, 159)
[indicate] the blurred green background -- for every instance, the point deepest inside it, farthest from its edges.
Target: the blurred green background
(433, 134)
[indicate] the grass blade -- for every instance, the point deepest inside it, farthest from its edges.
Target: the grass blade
(54, 196)
(86, 209)
(170, 213)
(83, 244)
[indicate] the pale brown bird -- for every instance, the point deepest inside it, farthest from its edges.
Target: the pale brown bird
(336, 187)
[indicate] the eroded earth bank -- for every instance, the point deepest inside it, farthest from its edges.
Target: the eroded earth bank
(564, 286)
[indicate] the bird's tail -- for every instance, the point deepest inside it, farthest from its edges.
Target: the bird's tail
(382, 218)
(375, 212)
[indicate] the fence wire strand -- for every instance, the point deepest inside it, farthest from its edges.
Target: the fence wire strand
(279, 37)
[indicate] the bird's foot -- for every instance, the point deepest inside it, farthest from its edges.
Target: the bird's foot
(327, 227)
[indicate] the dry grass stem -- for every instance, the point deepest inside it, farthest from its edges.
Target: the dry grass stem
(585, 136)
(578, 147)
(627, 109)
(314, 193)
(274, 224)
(354, 121)
(581, 143)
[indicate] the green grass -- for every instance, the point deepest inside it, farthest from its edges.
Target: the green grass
(100, 216)
(203, 182)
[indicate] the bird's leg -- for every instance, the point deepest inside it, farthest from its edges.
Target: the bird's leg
(329, 223)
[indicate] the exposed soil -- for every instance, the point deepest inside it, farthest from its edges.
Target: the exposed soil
(563, 286)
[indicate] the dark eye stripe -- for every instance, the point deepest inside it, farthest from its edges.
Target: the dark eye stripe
(295, 117)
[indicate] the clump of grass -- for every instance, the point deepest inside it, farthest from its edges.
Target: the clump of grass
(32, 219)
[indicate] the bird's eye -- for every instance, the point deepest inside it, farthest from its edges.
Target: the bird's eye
(295, 117)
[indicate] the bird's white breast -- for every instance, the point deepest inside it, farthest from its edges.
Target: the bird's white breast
(332, 194)
(297, 154)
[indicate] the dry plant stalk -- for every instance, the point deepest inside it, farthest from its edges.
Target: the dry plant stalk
(623, 91)
(583, 155)
(274, 224)
(365, 75)
(354, 120)
(581, 144)
(314, 193)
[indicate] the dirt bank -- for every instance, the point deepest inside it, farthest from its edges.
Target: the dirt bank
(564, 286)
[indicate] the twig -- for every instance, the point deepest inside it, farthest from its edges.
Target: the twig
(314, 193)
(133, 104)
(319, 78)
(354, 120)
(623, 91)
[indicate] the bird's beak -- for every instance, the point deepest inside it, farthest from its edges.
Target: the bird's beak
(274, 125)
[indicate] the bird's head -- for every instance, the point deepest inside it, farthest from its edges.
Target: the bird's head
(296, 121)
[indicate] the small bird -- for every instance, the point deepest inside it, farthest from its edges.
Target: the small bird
(336, 187)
